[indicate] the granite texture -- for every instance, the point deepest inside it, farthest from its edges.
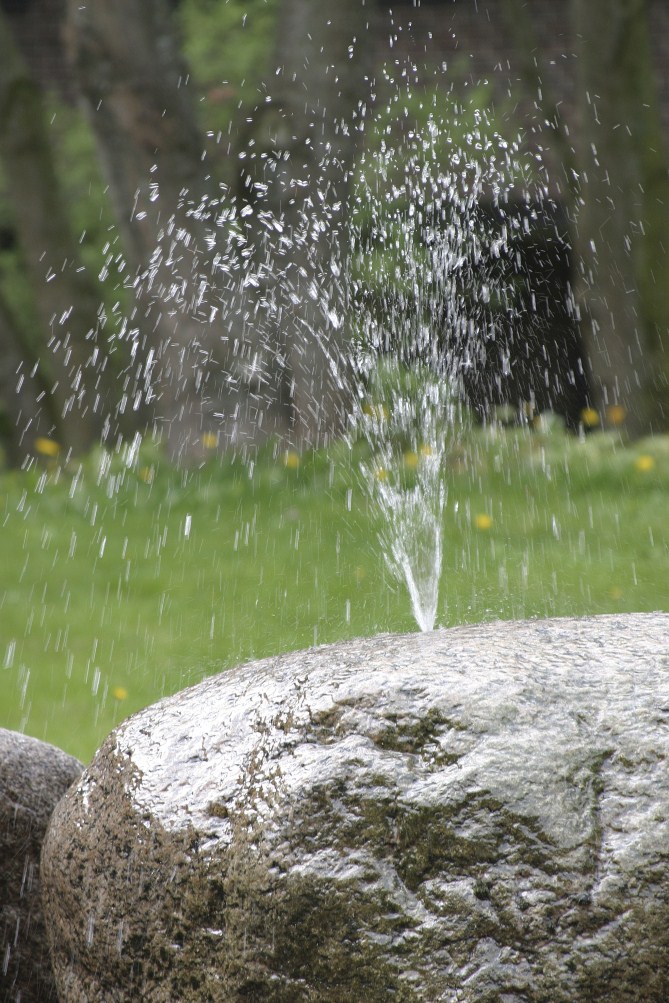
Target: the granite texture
(476, 815)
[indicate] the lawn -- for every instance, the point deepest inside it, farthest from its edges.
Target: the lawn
(124, 579)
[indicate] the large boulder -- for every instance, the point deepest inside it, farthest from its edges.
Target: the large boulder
(471, 815)
(33, 776)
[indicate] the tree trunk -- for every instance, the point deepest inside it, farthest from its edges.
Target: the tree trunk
(307, 135)
(237, 315)
(188, 350)
(66, 302)
(622, 214)
(26, 417)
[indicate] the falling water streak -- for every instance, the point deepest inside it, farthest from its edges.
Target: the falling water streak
(419, 318)
(413, 548)
(406, 479)
(433, 325)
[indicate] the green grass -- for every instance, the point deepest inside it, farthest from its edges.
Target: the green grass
(123, 579)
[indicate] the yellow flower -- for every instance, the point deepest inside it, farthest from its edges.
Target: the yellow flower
(482, 521)
(119, 693)
(644, 463)
(410, 460)
(47, 447)
(378, 411)
(210, 440)
(616, 414)
(426, 449)
(291, 460)
(590, 417)
(381, 474)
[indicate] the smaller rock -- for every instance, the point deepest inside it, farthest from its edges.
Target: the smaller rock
(33, 778)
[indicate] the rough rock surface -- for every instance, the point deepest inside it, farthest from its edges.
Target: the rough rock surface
(33, 776)
(479, 814)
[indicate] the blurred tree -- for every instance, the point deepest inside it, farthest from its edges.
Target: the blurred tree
(219, 347)
(236, 256)
(26, 417)
(622, 213)
(617, 170)
(229, 48)
(132, 81)
(56, 362)
(302, 144)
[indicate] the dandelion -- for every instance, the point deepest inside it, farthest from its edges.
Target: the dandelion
(482, 521)
(119, 693)
(378, 411)
(426, 449)
(616, 414)
(590, 417)
(410, 460)
(47, 447)
(644, 463)
(291, 460)
(381, 474)
(210, 440)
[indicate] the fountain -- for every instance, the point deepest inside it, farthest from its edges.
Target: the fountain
(426, 318)
(381, 320)
(384, 817)
(402, 305)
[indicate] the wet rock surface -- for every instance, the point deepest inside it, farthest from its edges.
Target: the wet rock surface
(472, 815)
(33, 776)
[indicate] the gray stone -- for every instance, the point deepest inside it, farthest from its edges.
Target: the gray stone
(33, 777)
(472, 815)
